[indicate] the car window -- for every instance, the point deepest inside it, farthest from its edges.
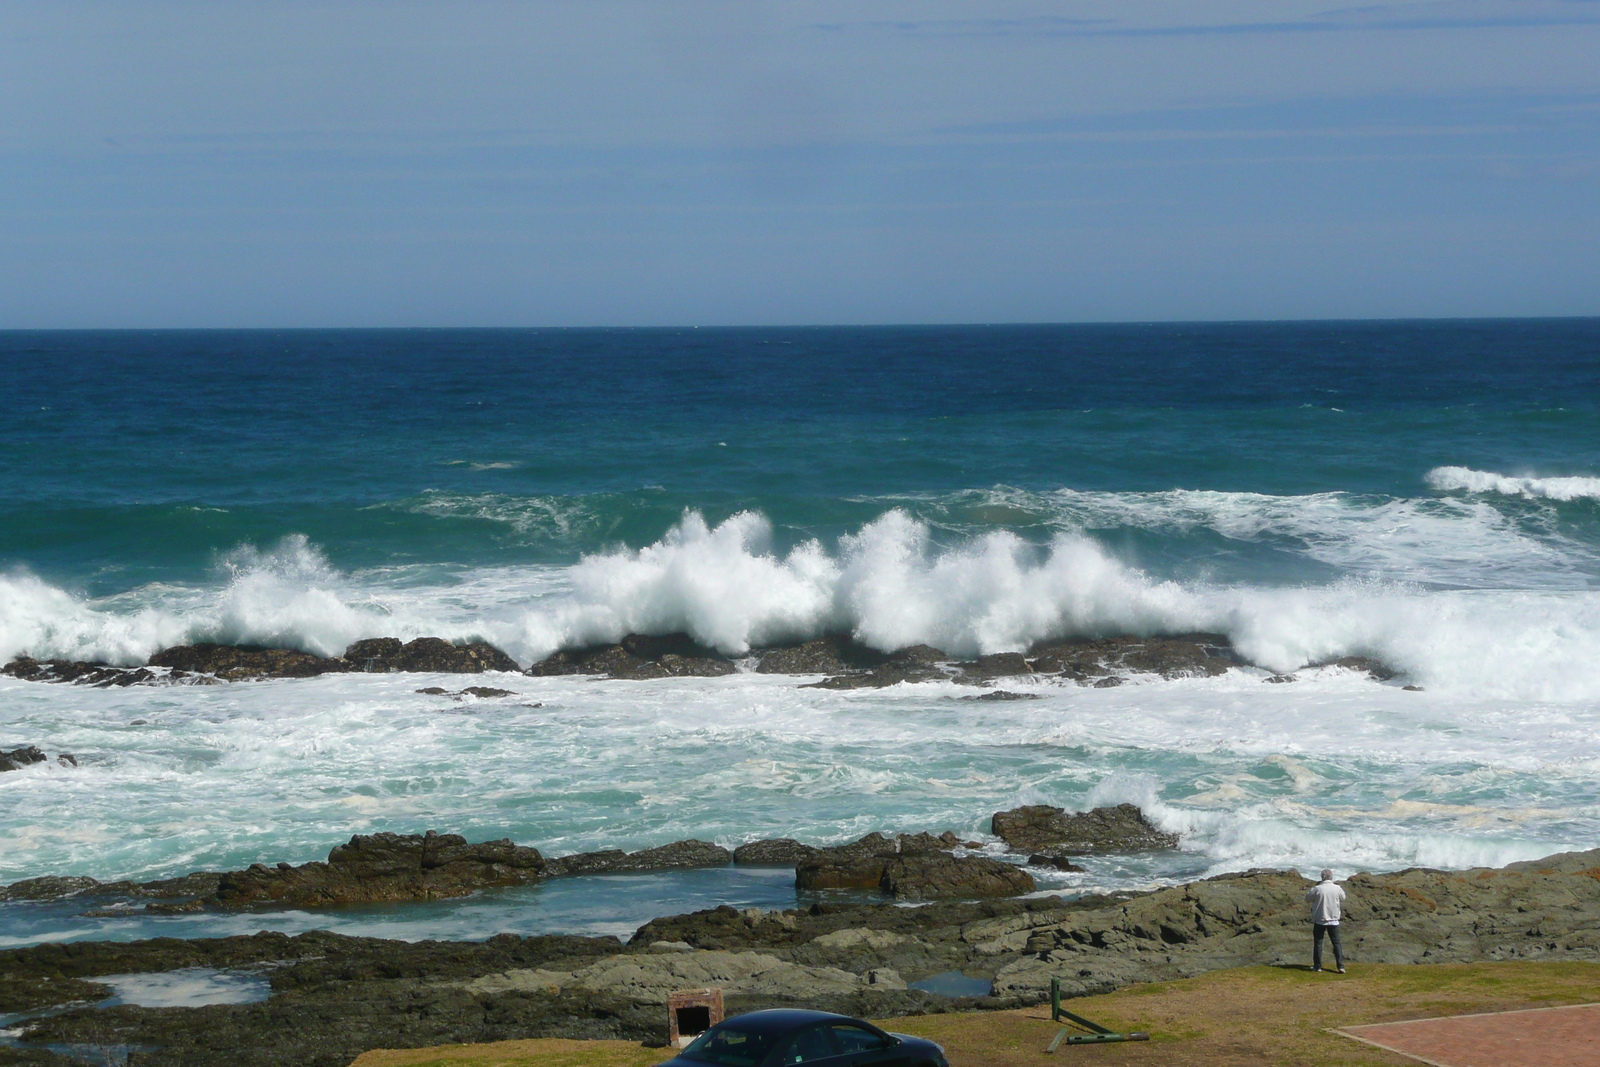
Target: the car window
(808, 1046)
(857, 1038)
(728, 1046)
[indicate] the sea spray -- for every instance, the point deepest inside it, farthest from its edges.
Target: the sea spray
(889, 584)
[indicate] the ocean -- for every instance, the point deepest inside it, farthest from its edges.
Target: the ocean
(1424, 493)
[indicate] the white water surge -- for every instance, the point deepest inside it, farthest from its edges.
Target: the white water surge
(892, 585)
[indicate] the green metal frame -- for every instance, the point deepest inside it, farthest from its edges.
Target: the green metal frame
(1097, 1035)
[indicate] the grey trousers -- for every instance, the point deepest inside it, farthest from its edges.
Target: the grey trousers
(1317, 930)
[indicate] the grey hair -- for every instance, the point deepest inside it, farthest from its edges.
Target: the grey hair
(1327, 875)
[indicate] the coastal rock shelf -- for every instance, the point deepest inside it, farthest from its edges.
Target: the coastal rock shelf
(334, 997)
(208, 664)
(1041, 829)
(386, 867)
(845, 663)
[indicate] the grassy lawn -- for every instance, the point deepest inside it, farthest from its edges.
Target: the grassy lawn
(1250, 1016)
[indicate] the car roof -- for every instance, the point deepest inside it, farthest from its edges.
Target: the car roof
(783, 1020)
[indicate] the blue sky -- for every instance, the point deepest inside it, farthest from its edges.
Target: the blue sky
(586, 162)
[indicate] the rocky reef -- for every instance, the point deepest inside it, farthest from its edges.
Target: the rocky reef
(638, 656)
(1042, 830)
(385, 867)
(388, 867)
(845, 663)
(27, 755)
(208, 664)
(848, 664)
(912, 867)
(334, 997)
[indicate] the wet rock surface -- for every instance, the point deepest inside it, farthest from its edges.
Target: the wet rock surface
(639, 657)
(481, 692)
(847, 664)
(1042, 830)
(832, 654)
(208, 664)
(334, 997)
(240, 662)
(385, 867)
(98, 675)
(28, 755)
(366, 869)
(918, 876)
(676, 856)
(773, 852)
(911, 867)
(919, 663)
(1198, 655)
(425, 655)
(21, 757)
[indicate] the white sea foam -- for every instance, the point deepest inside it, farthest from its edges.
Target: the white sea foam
(1331, 771)
(1465, 479)
(1450, 541)
(889, 584)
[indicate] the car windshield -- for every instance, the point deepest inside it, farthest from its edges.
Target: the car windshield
(728, 1046)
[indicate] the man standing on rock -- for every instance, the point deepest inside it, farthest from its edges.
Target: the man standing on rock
(1326, 899)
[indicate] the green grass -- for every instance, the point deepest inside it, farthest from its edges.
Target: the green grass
(1250, 1016)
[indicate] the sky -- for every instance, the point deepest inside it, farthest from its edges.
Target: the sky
(706, 162)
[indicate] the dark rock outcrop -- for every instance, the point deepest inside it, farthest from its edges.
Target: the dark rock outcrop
(1099, 662)
(240, 662)
(911, 867)
(1000, 665)
(50, 887)
(919, 663)
(425, 655)
(1043, 830)
(676, 856)
(18, 758)
(27, 755)
(639, 657)
(385, 867)
(481, 692)
(1179, 656)
(833, 654)
(208, 664)
(916, 876)
(98, 675)
(773, 852)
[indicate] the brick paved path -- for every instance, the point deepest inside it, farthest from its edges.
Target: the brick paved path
(1538, 1037)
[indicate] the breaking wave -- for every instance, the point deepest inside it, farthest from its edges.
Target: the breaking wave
(889, 583)
(1465, 479)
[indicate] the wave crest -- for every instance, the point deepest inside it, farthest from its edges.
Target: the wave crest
(1465, 479)
(889, 583)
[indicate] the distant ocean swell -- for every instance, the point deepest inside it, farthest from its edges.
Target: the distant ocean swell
(1457, 593)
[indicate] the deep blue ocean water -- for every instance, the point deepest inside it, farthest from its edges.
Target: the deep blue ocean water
(136, 456)
(1427, 493)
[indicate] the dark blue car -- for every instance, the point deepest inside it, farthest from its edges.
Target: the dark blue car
(787, 1035)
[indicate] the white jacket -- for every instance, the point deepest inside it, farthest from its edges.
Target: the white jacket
(1325, 899)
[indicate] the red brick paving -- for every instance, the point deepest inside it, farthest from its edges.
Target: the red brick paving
(1536, 1037)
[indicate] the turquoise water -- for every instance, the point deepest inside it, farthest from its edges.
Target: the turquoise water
(1427, 493)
